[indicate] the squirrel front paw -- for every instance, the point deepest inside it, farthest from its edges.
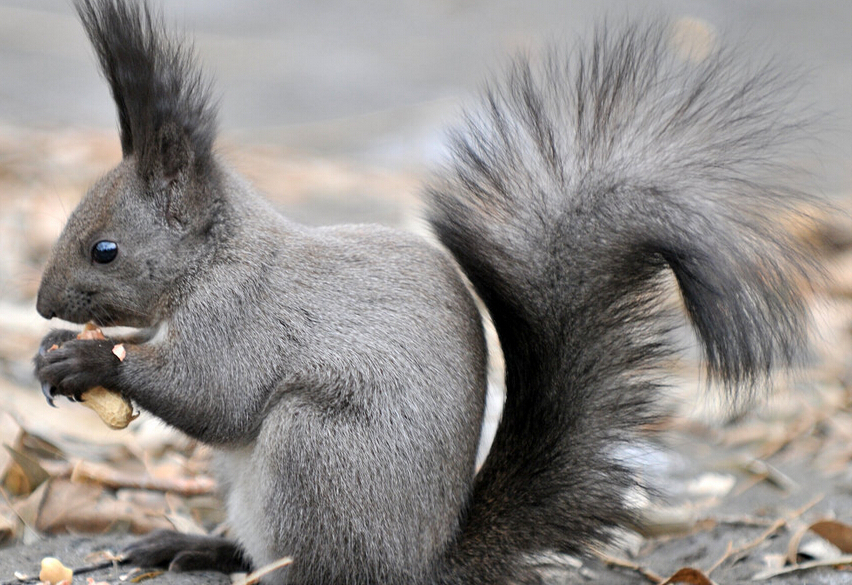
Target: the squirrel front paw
(68, 366)
(50, 342)
(54, 339)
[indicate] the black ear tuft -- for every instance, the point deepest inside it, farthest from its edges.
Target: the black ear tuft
(175, 153)
(166, 116)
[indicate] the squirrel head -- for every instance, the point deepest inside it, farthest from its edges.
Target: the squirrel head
(148, 223)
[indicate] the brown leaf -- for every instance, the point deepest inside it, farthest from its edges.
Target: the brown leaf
(88, 508)
(63, 500)
(25, 474)
(689, 576)
(10, 434)
(837, 533)
(15, 480)
(8, 523)
(28, 509)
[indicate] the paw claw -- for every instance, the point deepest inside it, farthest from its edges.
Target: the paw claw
(47, 389)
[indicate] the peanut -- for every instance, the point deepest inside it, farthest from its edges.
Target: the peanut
(114, 409)
(54, 572)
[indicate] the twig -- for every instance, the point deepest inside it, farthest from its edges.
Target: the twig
(17, 581)
(731, 551)
(77, 571)
(107, 477)
(625, 564)
(845, 560)
(256, 576)
(774, 527)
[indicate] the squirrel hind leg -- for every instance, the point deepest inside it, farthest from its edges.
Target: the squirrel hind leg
(186, 552)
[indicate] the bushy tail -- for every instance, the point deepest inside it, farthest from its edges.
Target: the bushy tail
(570, 196)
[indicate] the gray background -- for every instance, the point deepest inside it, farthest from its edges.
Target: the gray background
(378, 81)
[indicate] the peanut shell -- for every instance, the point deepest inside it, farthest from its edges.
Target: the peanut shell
(114, 409)
(54, 572)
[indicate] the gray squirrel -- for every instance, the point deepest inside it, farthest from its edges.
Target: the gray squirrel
(340, 372)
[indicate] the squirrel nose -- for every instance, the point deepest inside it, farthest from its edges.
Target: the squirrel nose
(43, 307)
(47, 314)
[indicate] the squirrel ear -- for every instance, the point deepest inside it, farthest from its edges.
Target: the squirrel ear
(173, 156)
(166, 115)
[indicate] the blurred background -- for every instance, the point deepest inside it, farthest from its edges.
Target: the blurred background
(377, 81)
(337, 109)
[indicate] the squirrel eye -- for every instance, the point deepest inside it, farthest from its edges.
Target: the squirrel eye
(104, 252)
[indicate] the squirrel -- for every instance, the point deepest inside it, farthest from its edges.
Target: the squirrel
(340, 372)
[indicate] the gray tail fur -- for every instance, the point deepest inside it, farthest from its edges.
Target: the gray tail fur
(570, 195)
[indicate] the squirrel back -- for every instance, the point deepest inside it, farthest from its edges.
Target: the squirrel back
(340, 371)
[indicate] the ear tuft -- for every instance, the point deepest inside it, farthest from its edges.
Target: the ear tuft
(167, 119)
(175, 154)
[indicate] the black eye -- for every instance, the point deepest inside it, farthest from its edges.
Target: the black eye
(104, 252)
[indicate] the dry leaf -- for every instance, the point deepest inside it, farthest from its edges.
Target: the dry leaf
(818, 548)
(25, 474)
(774, 561)
(711, 485)
(62, 500)
(659, 520)
(8, 523)
(28, 509)
(690, 577)
(12, 477)
(837, 533)
(89, 508)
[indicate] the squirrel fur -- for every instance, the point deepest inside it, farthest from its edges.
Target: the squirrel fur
(340, 372)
